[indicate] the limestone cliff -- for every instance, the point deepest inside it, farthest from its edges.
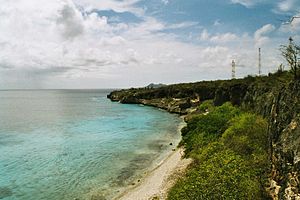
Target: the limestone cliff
(276, 97)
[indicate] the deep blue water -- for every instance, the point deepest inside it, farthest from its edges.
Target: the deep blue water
(67, 144)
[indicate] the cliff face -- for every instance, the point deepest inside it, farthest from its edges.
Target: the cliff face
(182, 98)
(285, 141)
(280, 104)
(276, 97)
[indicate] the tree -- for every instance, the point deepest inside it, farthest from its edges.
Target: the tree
(290, 52)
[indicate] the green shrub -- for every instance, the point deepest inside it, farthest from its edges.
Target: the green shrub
(224, 175)
(247, 135)
(229, 149)
(203, 129)
(206, 106)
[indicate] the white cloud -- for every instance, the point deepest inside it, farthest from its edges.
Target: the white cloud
(268, 28)
(58, 44)
(115, 5)
(292, 26)
(243, 49)
(295, 24)
(247, 3)
(70, 21)
(253, 3)
(217, 22)
(218, 38)
(287, 5)
(182, 25)
(44, 35)
(204, 35)
(165, 1)
(51, 42)
(224, 38)
(260, 35)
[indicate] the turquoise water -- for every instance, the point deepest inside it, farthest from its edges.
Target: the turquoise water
(76, 144)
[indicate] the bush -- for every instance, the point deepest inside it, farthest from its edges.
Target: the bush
(229, 149)
(225, 175)
(206, 106)
(247, 135)
(203, 129)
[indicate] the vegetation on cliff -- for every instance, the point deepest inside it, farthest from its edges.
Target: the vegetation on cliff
(180, 97)
(274, 97)
(229, 148)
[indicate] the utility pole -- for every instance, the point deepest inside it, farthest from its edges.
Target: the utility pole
(233, 69)
(259, 62)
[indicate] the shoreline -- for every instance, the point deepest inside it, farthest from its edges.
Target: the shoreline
(160, 176)
(159, 180)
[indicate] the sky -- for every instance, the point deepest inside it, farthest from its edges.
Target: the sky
(131, 43)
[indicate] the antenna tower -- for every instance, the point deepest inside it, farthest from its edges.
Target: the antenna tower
(233, 69)
(259, 62)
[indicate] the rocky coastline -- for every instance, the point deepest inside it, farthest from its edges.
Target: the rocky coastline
(276, 97)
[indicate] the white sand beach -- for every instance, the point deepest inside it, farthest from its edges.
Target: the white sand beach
(160, 180)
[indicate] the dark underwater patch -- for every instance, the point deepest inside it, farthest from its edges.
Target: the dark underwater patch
(158, 145)
(139, 162)
(5, 192)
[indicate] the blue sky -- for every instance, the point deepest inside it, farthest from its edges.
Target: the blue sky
(114, 43)
(232, 17)
(228, 16)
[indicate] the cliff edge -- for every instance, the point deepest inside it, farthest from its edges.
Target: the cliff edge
(276, 97)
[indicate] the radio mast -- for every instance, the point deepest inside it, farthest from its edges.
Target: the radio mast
(233, 69)
(259, 62)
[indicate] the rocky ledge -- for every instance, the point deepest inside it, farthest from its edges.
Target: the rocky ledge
(276, 97)
(173, 105)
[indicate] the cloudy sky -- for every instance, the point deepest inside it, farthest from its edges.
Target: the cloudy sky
(114, 43)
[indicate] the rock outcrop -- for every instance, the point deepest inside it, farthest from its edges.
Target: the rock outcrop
(276, 97)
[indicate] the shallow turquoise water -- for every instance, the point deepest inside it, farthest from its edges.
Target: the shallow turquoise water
(67, 144)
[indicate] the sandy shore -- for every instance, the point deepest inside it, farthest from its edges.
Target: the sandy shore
(160, 180)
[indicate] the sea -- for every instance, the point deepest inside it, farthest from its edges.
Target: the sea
(77, 144)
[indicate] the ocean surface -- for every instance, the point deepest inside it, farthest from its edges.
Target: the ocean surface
(77, 144)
